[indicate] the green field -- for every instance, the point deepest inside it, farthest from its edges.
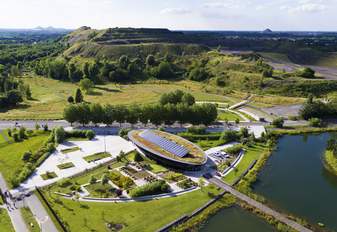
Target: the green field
(11, 154)
(251, 154)
(135, 216)
(5, 221)
(48, 103)
(30, 220)
(226, 115)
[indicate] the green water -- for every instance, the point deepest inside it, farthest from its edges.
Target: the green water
(236, 219)
(295, 181)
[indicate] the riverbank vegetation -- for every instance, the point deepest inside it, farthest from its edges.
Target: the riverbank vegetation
(330, 155)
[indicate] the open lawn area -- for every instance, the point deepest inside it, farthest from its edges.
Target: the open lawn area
(251, 154)
(5, 221)
(134, 216)
(11, 154)
(4, 138)
(48, 103)
(226, 115)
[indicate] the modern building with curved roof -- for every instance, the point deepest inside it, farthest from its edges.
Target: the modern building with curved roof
(169, 149)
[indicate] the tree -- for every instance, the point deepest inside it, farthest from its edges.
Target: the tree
(150, 60)
(78, 96)
(13, 97)
(306, 73)
(105, 179)
(70, 113)
(84, 113)
(138, 157)
(188, 99)
(71, 99)
(59, 135)
(198, 74)
(96, 113)
(93, 180)
(315, 122)
(278, 122)
(27, 156)
(22, 133)
(86, 85)
(124, 62)
(165, 71)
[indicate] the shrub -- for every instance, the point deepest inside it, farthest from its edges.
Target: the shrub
(16, 137)
(153, 188)
(315, 122)
(9, 132)
(60, 134)
(93, 180)
(138, 157)
(22, 133)
(27, 156)
(199, 130)
(123, 132)
(234, 150)
(90, 134)
(278, 122)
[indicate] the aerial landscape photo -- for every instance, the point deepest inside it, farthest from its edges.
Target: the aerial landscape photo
(168, 116)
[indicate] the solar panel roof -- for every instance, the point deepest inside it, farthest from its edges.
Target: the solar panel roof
(164, 143)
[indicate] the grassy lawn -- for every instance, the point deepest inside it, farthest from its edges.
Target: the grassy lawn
(11, 154)
(66, 165)
(134, 216)
(97, 156)
(156, 168)
(226, 115)
(69, 150)
(5, 221)
(30, 220)
(4, 138)
(49, 104)
(251, 154)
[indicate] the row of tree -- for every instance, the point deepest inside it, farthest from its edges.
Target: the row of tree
(156, 114)
(13, 91)
(318, 109)
(123, 70)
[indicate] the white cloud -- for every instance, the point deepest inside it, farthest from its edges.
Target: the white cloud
(230, 4)
(305, 6)
(176, 11)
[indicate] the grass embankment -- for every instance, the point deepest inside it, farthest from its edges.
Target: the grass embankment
(252, 153)
(11, 154)
(330, 161)
(5, 221)
(30, 220)
(134, 216)
(49, 104)
(226, 115)
(302, 130)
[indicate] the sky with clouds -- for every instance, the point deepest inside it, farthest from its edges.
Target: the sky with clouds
(174, 14)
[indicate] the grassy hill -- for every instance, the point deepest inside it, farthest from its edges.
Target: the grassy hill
(111, 43)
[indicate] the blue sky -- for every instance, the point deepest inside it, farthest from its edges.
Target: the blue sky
(173, 14)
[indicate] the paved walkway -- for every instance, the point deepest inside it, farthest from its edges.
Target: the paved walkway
(280, 217)
(40, 214)
(13, 211)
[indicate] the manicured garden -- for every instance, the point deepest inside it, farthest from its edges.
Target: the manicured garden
(66, 165)
(134, 216)
(5, 221)
(101, 190)
(11, 155)
(70, 150)
(97, 156)
(48, 175)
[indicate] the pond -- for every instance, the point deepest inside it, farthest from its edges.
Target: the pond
(236, 219)
(295, 180)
